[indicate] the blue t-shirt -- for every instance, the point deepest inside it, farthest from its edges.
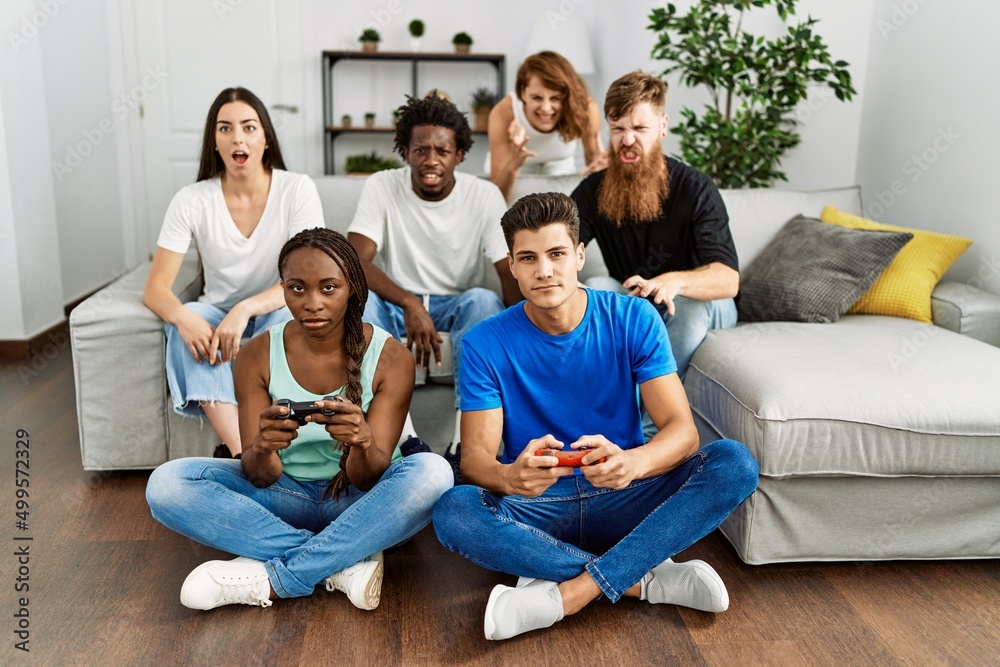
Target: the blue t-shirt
(580, 383)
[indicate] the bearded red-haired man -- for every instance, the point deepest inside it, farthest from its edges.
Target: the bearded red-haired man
(661, 225)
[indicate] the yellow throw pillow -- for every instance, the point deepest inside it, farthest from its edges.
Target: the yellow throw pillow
(904, 288)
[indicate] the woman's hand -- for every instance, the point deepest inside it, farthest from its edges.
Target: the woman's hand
(228, 334)
(197, 334)
(519, 139)
(274, 430)
(347, 423)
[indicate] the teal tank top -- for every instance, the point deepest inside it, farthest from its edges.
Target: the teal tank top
(313, 455)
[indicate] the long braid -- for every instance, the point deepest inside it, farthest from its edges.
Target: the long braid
(342, 252)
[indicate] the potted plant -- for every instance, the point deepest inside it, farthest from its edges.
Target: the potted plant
(483, 100)
(755, 85)
(363, 164)
(416, 29)
(370, 119)
(369, 40)
(462, 42)
(345, 120)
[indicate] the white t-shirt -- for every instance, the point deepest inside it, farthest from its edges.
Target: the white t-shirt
(237, 267)
(432, 247)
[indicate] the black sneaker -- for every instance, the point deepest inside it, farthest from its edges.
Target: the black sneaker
(453, 455)
(413, 445)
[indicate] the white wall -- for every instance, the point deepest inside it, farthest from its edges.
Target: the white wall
(929, 127)
(76, 61)
(31, 300)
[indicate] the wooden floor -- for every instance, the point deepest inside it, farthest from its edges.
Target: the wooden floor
(104, 582)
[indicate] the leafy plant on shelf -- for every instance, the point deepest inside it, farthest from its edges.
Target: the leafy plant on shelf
(755, 86)
(482, 98)
(416, 28)
(462, 39)
(369, 163)
(370, 35)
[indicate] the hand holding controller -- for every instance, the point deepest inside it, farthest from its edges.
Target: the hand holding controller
(299, 410)
(572, 458)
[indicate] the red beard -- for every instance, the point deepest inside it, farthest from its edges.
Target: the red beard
(633, 192)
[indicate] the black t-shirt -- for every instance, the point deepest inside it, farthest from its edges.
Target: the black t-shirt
(692, 230)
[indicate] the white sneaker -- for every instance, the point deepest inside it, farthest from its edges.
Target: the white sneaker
(362, 582)
(221, 582)
(510, 611)
(693, 584)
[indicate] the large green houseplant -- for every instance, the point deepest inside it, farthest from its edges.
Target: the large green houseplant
(755, 85)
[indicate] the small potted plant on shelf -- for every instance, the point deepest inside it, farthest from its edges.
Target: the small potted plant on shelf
(369, 40)
(416, 28)
(462, 42)
(363, 164)
(345, 120)
(370, 119)
(483, 100)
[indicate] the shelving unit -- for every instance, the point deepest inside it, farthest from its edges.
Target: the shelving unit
(332, 58)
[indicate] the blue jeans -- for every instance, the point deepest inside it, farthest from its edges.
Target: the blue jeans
(454, 313)
(615, 536)
(300, 532)
(190, 381)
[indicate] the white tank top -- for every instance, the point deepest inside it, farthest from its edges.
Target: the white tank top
(555, 156)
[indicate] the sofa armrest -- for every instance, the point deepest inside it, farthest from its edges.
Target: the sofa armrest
(119, 372)
(967, 310)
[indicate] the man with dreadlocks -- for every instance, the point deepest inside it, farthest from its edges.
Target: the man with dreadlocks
(661, 225)
(290, 508)
(432, 227)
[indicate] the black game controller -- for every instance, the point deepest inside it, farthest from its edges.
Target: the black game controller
(299, 410)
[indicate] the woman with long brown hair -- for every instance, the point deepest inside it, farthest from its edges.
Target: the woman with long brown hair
(537, 128)
(292, 509)
(238, 213)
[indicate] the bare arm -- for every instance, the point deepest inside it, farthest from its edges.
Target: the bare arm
(706, 283)
(593, 148)
(508, 146)
(528, 475)
(261, 423)
(667, 404)
(508, 285)
(159, 297)
(421, 334)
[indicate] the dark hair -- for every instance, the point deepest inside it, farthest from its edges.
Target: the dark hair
(632, 89)
(538, 210)
(556, 73)
(211, 164)
(432, 110)
(343, 253)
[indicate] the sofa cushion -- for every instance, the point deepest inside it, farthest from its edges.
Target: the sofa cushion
(904, 290)
(867, 395)
(813, 272)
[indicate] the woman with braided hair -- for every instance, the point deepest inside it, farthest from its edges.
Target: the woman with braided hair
(289, 509)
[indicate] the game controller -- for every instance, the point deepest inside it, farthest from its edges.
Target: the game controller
(299, 410)
(569, 457)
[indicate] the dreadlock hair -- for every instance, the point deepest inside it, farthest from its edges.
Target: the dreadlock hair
(343, 253)
(432, 110)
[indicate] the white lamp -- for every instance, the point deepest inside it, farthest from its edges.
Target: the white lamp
(567, 36)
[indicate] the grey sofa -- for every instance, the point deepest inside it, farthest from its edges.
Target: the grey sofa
(861, 457)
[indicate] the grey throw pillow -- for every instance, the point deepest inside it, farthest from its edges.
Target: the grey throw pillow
(814, 272)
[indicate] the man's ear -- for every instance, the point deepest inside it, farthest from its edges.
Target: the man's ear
(460, 154)
(510, 263)
(663, 126)
(405, 152)
(581, 256)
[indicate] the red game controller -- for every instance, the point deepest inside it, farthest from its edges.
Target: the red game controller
(572, 458)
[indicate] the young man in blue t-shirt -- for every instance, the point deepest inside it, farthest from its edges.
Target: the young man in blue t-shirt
(565, 369)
